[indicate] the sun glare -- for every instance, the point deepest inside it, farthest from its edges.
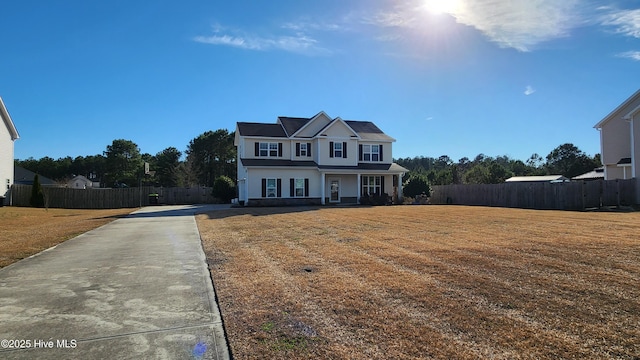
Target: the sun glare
(442, 6)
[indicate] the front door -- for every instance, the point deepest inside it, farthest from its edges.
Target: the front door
(334, 186)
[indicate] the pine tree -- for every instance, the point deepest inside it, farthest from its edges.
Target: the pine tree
(37, 196)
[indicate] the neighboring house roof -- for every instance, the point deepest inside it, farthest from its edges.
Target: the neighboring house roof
(23, 176)
(4, 114)
(261, 129)
(611, 115)
(544, 178)
(80, 178)
(597, 173)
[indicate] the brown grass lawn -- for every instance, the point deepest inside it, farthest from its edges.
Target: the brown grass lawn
(445, 282)
(27, 231)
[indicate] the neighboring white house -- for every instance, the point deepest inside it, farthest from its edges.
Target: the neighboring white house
(8, 134)
(80, 182)
(620, 140)
(315, 160)
(543, 178)
(595, 174)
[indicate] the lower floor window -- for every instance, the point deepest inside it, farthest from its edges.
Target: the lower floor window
(272, 188)
(299, 187)
(371, 185)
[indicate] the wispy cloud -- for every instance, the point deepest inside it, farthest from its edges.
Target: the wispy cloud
(520, 24)
(529, 90)
(517, 24)
(309, 25)
(297, 43)
(633, 55)
(626, 22)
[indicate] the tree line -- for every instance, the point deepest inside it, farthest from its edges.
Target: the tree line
(212, 155)
(209, 156)
(566, 159)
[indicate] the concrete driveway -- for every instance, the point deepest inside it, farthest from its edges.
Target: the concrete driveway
(136, 288)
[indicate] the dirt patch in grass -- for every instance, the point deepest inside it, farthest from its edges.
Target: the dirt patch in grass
(442, 282)
(27, 231)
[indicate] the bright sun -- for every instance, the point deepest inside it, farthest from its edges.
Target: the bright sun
(442, 6)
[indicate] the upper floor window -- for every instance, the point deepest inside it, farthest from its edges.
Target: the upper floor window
(268, 149)
(370, 152)
(338, 149)
(303, 149)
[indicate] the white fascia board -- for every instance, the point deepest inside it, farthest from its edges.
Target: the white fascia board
(632, 113)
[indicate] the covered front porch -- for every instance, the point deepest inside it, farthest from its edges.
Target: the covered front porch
(340, 187)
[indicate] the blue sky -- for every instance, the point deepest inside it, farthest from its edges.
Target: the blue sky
(457, 78)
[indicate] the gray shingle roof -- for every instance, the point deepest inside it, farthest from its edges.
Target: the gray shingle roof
(261, 129)
(291, 124)
(368, 130)
(287, 126)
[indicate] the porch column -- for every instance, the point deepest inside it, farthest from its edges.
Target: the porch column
(400, 197)
(322, 186)
(359, 185)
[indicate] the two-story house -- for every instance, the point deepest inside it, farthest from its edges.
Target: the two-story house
(620, 140)
(315, 160)
(8, 134)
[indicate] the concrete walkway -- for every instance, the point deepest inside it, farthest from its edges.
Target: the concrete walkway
(136, 288)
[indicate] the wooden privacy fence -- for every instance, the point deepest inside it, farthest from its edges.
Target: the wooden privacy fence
(68, 198)
(574, 195)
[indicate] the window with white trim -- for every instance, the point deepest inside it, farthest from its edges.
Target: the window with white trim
(371, 152)
(303, 149)
(337, 149)
(272, 188)
(371, 185)
(268, 149)
(299, 187)
(264, 149)
(273, 149)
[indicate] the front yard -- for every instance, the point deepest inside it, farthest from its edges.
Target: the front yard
(27, 231)
(445, 282)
